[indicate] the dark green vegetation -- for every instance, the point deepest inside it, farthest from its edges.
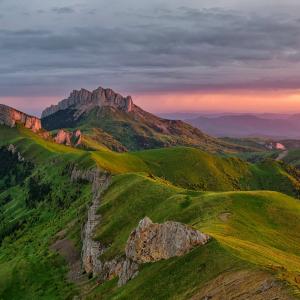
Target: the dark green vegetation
(38, 201)
(136, 130)
(251, 229)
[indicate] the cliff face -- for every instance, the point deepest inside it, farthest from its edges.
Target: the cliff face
(10, 117)
(91, 249)
(85, 100)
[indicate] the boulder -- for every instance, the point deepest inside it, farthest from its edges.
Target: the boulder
(151, 242)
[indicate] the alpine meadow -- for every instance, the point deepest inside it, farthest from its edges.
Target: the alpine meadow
(187, 190)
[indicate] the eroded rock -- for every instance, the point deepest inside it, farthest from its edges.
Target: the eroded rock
(68, 138)
(129, 270)
(151, 242)
(91, 249)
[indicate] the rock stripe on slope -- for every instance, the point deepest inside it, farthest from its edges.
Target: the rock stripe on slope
(91, 249)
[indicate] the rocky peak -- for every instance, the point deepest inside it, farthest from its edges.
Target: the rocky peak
(84, 100)
(10, 117)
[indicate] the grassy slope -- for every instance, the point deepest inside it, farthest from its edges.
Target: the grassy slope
(246, 240)
(187, 167)
(28, 269)
(137, 130)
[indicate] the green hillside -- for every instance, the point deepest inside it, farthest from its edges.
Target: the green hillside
(243, 225)
(253, 231)
(136, 130)
(186, 167)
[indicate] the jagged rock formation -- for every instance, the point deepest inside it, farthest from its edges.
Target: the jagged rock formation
(63, 137)
(10, 117)
(68, 138)
(152, 242)
(91, 249)
(84, 100)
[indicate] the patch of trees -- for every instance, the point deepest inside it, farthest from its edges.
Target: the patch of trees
(59, 194)
(37, 191)
(12, 171)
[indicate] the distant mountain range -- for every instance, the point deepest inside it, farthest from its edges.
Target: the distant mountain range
(116, 122)
(266, 125)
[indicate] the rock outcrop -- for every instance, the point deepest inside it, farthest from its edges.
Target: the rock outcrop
(129, 270)
(91, 249)
(63, 137)
(10, 117)
(84, 100)
(68, 138)
(151, 242)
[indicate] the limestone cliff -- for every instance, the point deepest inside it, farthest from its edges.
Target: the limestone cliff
(84, 100)
(91, 249)
(151, 242)
(10, 117)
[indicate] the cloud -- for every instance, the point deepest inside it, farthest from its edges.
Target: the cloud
(182, 49)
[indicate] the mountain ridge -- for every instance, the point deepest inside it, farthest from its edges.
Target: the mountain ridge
(10, 117)
(126, 123)
(85, 100)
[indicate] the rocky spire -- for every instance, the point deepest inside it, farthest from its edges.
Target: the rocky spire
(84, 100)
(10, 117)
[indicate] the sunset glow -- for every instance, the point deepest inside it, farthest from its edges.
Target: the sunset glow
(235, 102)
(239, 101)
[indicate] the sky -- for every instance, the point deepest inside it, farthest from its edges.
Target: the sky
(170, 55)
